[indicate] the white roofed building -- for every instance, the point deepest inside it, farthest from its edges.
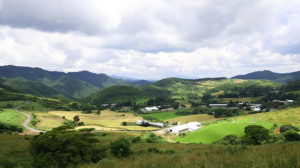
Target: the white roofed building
(188, 127)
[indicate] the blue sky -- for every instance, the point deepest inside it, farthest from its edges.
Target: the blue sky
(152, 39)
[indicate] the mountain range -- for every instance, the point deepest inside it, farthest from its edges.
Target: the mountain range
(52, 83)
(282, 78)
(81, 84)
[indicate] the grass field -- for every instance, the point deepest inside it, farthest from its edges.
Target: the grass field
(285, 116)
(196, 117)
(241, 99)
(162, 115)
(214, 132)
(107, 118)
(12, 117)
(48, 121)
(236, 125)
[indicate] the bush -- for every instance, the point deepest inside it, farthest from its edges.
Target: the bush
(230, 140)
(124, 123)
(120, 148)
(153, 150)
(255, 135)
(291, 136)
(136, 140)
(288, 127)
(63, 148)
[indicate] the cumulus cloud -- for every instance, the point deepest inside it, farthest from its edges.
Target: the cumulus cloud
(152, 39)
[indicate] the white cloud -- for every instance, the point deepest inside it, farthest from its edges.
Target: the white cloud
(152, 39)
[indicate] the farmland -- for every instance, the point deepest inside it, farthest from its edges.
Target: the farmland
(48, 121)
(191, 118)
(161, 115)
(107, 118)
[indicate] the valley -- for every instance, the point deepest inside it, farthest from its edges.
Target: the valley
(142, 116)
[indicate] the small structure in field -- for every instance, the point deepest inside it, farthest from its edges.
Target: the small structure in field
(188, 127)
(156, 124)
(168, 109)
(149, 109)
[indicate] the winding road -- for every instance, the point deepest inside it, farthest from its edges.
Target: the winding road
(29, 117)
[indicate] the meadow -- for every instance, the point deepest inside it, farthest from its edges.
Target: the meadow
(11, 117)
(107, 119)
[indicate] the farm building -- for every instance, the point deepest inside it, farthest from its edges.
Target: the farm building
(140, 122)
(188, 127)
(149, 109)
(217, 105)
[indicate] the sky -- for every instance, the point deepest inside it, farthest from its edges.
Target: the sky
(152, 39)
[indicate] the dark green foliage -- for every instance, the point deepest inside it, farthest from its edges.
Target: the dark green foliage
(154, 138)
(256, 135)
(76, 119)
(8, 128)
(288, 127)
(155, 90)
(230, 140)
(120, 148)
(292, 86)
(153, 150)
(34, 120)
(160, 101)
(291, 135)
(136, 140)
(117, 94)
(62, 148)
(7, 164)
(124, 123)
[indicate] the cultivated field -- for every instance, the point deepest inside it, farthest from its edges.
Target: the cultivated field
(48, 121)
(107, 118)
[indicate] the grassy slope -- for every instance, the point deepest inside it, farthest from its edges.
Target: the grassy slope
(236, 126)
(11, 117)
(15, 148)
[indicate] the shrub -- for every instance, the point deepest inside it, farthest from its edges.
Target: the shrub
(124, 123)
(291, 136)
(169, 151)
(153, 150)
(136, 140)
(120, 148)
(288, 127)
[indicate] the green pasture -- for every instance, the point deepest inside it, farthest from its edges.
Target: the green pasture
(11, 117)
(162, 115)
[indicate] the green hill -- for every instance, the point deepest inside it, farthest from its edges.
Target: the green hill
(30, 87)
(195, 89)
(117, 94)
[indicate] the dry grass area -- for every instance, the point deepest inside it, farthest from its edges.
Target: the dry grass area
(196, 117)
(97, 128)
(48, 121)
(107, 118)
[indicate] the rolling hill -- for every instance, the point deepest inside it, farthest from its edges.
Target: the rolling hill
(269, 75)
(196, 88)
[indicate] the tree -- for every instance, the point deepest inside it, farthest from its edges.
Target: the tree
(256, 135)
(66, 148)
(120, 148)
(98, 113)
(124, 123)
(76, 119)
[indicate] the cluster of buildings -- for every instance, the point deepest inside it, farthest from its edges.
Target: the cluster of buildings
(284, 101)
